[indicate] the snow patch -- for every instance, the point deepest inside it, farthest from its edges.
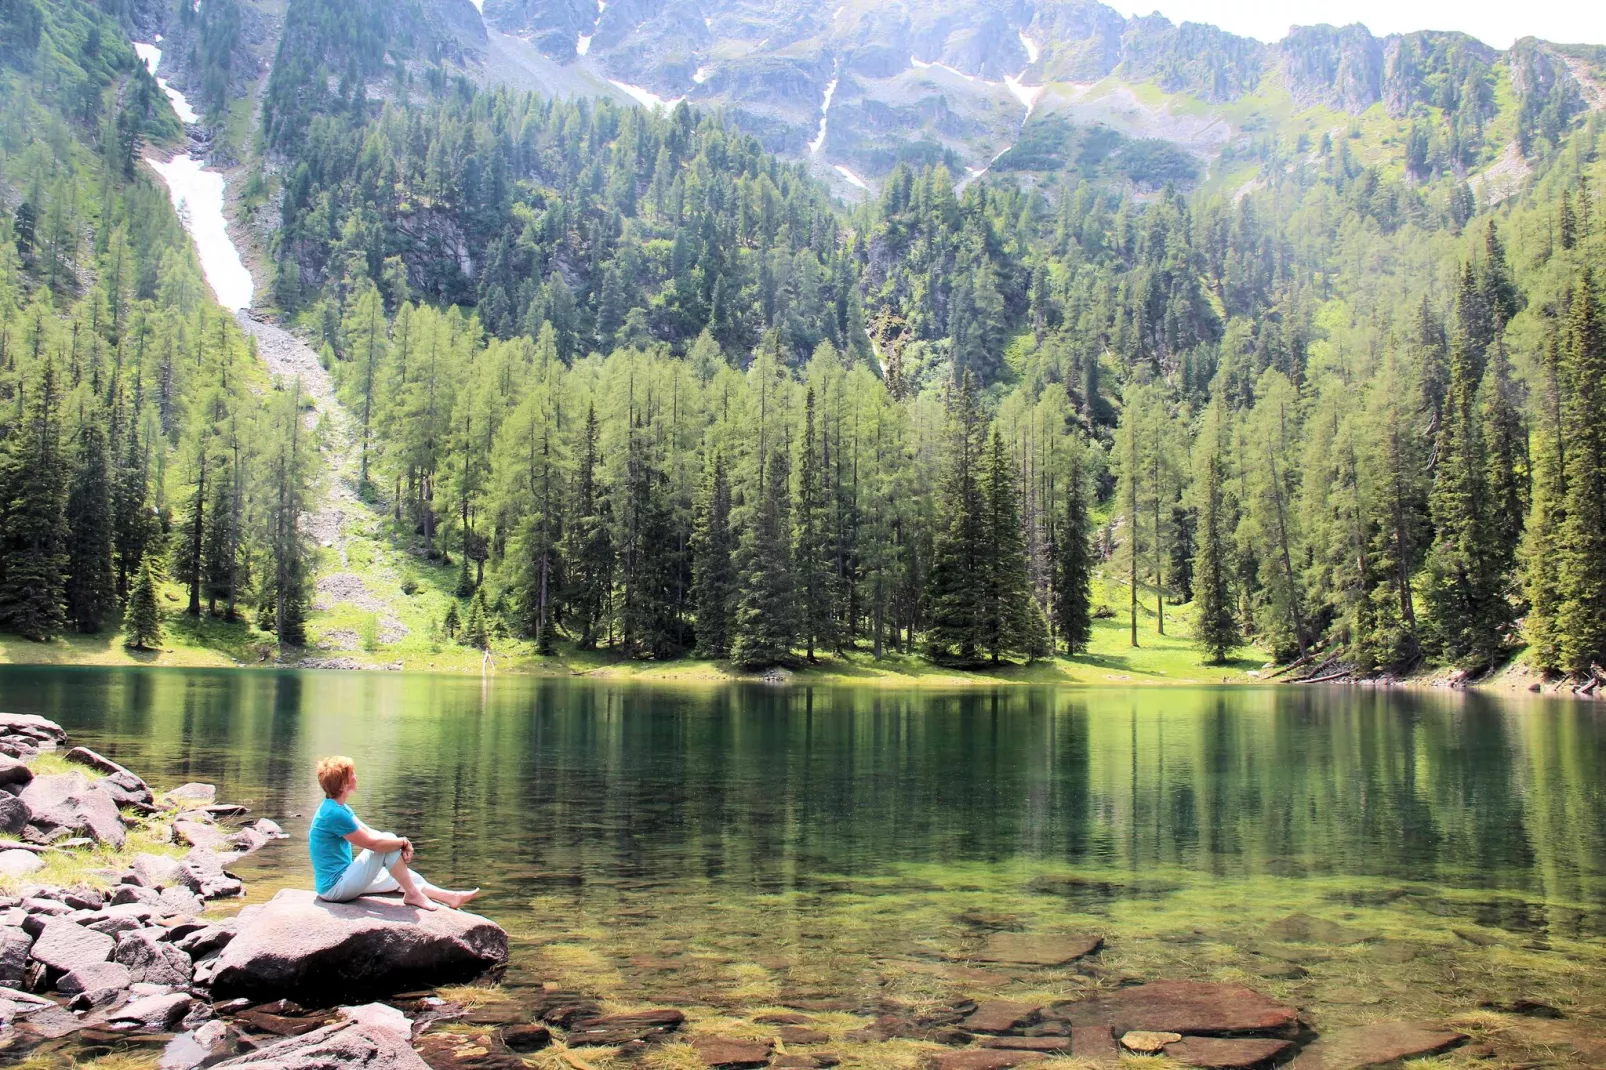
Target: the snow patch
(583, 45)
(922, 65)
(825, 113)
(852, 178)
(197, 196)
(702, 74)
(645, 97)
(1028, 95)
(151, 56)
(838, 12)
(479, 5)
(1031, 47)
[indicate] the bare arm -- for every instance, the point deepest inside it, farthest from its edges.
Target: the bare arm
(369, 840)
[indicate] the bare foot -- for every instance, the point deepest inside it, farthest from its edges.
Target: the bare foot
(455, 900)
(419, 902)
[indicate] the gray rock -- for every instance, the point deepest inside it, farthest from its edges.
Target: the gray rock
(298, 947)
(93, 760)
(270, 828)
(68, 801)
(205, 941)
(65, 946)
(126, 894)
(211, 880)
(180, 901)
(198, 834)
(339, 1045)
(151, 959)
(14, 947)
(129, 790)
(17, 863)
(14, 814)
(247, 840)
(40, 905)
(206, 1045)
(95, 984)
(28, 724)
(84, 898)
(158, 1013)
(14, 771)
(192, 794)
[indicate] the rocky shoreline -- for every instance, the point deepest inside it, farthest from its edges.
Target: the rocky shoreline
(124, 953)
(126, 958)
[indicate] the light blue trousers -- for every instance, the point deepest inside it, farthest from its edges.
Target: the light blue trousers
(369, 874)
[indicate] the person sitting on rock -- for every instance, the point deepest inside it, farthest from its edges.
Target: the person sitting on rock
(381, 863)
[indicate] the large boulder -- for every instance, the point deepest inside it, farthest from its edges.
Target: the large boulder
(14, 814)
(70, 801)
(298, 947)
(344, 1044)
(14, 772)
(153, 960)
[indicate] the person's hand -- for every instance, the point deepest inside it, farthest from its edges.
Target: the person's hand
(407, 849)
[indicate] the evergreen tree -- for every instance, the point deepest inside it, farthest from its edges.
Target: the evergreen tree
(452, 622)
(1215, 629)
(766, 613)
(589, 548)
(713, 572)
(1010, 619)
(1073, 582)
(1542, 538)
(476, 630)
(812, 545)
(647, 622)
(34, 543)
(956, 579)
(142, 624)
(1581, 617)
(91, 580)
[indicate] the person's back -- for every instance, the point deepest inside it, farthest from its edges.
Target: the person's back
(327, 843)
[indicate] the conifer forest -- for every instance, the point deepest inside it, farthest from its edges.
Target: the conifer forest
(643, 381)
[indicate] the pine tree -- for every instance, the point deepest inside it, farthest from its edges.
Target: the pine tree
(476, 630)
(142, 624)
(1466, 587)
(452, 622)
(538, 552)
(1215, 628)
(589, 549)
(766, 613)
(812, 549)
(91, 580)
(1073, 582)
(955, 583)
(1581, 617)
(1010, 619)
(647, 622)
(34, 542)
(713, 572)
(1542, 538)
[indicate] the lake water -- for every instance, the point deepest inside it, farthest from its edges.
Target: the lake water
(1363, 853)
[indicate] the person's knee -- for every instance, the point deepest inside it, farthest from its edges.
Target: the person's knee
(390, 858)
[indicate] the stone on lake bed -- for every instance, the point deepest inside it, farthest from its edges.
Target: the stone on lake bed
(999, 1016)
(1146, 1042)
(1378, 1044)
(732, 1053)
(982, 1059)
(192, 794)
(1180, 1007)
(526, 1037)
(299, 947)
(1218, 1053)
(1037, 949)
(615, 1029)
(1048, 1044)
(342, 1044)
(467, 1051)
(1304, 929)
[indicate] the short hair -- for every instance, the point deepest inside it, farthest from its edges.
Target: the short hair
(333, 773)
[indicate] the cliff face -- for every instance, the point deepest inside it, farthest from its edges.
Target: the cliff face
(967, 81)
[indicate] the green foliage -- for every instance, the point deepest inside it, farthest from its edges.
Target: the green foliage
(142, 624)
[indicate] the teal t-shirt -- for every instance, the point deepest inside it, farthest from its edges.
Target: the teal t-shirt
(331, 852)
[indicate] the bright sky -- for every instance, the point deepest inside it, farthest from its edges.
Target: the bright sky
(1495, 23)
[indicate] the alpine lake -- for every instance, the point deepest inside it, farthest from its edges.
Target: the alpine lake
(1364, 854)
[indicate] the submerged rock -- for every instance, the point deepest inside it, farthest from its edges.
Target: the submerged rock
(467, 1051)
(1378, 1044)
(1029, 949)
(616, 1029)
(982, 1059)
(998, 1016)
(343, 1044)
(1217, 1053)
(1181, 1007)
(730, 1053)
(299, 947)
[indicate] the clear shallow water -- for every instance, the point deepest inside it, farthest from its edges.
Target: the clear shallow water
(746, 846)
